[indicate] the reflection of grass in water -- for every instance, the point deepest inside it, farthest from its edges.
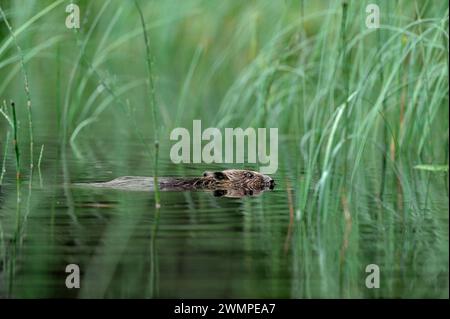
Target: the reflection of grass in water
(293, 67)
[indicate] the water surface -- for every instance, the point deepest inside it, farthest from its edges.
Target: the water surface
(205, 246)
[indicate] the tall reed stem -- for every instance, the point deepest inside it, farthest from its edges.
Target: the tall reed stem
(18, 199)
(385, 128)
(345, 71)
(17, 153)
(151, 95)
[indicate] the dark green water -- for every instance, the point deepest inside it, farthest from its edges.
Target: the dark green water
(204, 246)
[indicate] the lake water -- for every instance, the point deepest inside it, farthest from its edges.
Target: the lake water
(203, 246)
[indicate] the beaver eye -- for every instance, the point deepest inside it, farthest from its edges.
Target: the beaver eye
(248, 175)
(219, 176)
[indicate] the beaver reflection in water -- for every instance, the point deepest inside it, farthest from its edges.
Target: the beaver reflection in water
(227, 183)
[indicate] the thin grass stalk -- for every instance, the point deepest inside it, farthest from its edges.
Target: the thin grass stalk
(18, 199)
(39, 165)
(345, 63)
(152, 99)
(17, 154)
(153, 285)
(345, 70)
(300, 119)
(385, 128)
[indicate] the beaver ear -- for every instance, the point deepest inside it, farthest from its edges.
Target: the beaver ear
(220, 176)
(219, 192)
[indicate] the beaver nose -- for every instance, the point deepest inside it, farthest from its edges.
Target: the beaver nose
(272, 184)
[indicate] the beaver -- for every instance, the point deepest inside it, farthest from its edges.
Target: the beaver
(227, 183)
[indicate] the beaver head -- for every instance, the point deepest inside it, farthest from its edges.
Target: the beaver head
(239, 179)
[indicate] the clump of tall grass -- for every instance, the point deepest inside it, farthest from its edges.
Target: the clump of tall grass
(370, 104)
(28, 101)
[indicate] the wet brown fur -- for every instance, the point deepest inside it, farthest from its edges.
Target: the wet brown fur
(231, 183)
